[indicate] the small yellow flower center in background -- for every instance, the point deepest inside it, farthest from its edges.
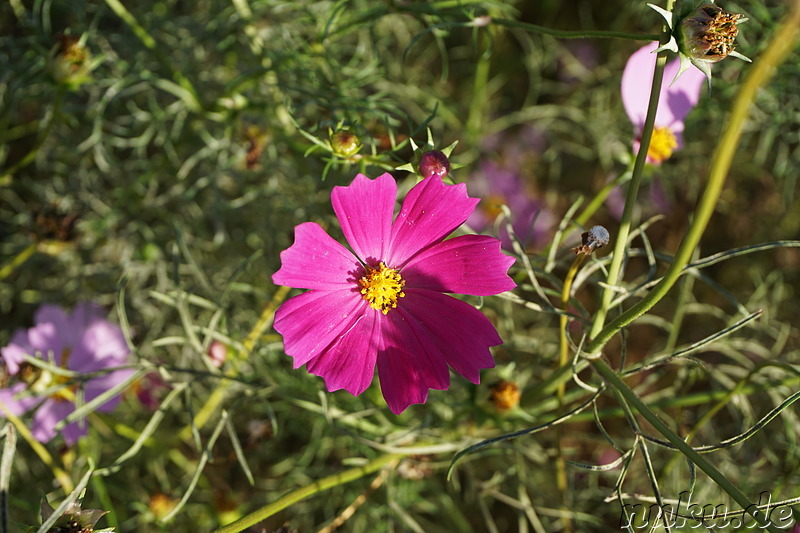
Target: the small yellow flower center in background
(492, 205)
(381, 287)
(662, 144)
(505, 395)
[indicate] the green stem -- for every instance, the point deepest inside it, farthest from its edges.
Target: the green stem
(781, 45)
(305, 492)
(592, 207)
(615, 268)
(191, 97)
(17, 261)
(577, 34)
(612, 379)
(477, 107)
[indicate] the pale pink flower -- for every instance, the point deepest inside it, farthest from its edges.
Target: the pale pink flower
(83, 342)
(675, 101)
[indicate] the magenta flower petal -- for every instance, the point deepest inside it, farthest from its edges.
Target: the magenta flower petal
(349, 362)
(316, 261)
(313, 320)
(48, 414)
(17, 405)
(410, 363)
(463, 333)
(430, 212)
(357, 316)
(365, 209)
(469, 264)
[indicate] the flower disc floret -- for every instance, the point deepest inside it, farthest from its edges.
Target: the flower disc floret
(662, 144)
(381, 287)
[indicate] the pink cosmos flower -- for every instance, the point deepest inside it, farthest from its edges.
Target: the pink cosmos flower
(383, 303)
(675, 102)
(82, 342)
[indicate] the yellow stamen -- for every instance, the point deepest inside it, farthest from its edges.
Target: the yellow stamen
(662, 144)
(381, 287)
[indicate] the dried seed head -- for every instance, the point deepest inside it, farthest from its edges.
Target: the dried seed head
(708, 33)
(591, 240)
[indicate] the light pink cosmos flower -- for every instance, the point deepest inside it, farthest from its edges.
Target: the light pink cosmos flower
(383, 302)
(675, 101)
(82, 342)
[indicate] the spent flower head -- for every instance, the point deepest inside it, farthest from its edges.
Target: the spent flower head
(591, 240)
(675, 101)
(74, 519)
(701, 35)
(82, 342)
(384, 303)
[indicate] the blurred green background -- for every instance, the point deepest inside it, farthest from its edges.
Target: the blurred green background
(168, 178)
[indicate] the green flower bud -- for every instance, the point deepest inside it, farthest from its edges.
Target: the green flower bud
(69, 62)
(345, 143)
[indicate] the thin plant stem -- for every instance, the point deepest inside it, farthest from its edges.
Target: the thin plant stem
(631, 398)
(595, 203)
(310, 490)
(218, 394)
(781, 45)
(576, 34)
(18, 260)
(563, 360)
(615, 268)
(61, 476)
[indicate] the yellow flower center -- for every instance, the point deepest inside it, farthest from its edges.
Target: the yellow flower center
(662, 144)
(381, 287)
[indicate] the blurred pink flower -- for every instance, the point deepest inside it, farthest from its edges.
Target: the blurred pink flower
(675, 102)
(217, 352)
(150, 389)
(496, 186)
(383, 303)
(82, 342)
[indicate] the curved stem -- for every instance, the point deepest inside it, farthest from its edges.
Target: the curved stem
(781, 45)
(309, 490)
(616, 382)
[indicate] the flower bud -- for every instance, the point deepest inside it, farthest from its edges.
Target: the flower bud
(505, 395)
(595, 238)
(69, 62)
(434, 163)
(217, 352)
(707, 34)
(345, 143)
